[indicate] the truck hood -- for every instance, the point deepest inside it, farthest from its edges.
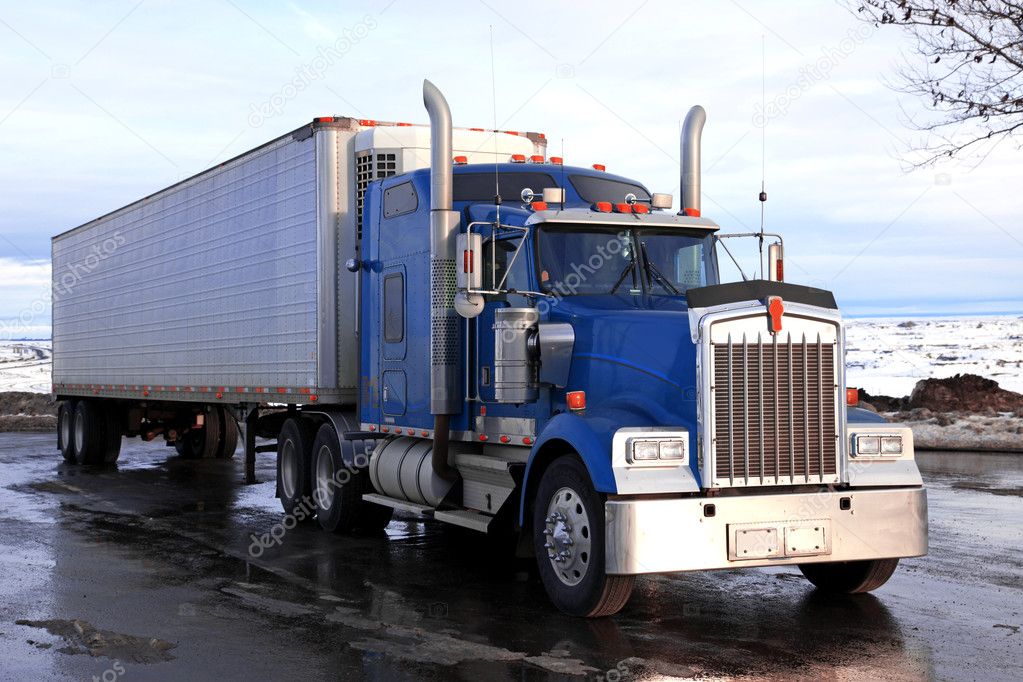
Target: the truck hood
(634, 351)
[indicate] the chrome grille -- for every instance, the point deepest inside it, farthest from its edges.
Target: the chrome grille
(774, 404)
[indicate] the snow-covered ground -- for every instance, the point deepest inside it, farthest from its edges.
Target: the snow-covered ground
(25, 366)
(887, 356)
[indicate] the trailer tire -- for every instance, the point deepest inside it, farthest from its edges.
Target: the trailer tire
(112, 432)
(338, 489)
(91, 433)
(294, 457)
(567, 508)
(850, 577)
(228, 434)
(65, 428)
(201, 443)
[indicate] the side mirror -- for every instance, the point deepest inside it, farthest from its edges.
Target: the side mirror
(469, 275)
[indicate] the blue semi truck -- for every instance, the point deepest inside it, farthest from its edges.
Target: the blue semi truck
(453, 325)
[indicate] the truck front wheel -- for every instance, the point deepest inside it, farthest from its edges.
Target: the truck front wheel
(850, 577)
(568, 537)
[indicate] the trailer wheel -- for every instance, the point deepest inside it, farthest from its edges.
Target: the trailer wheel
(568, 538)
(850, 577)
(201, 443)
(91, 437)
(112, 432)
(228, 434)
(294, 457)
(338, 489)
(65, 428)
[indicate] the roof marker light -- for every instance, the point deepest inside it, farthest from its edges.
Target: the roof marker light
(323, 119)
(599, 166)
(602, 207)
(538, 206)
(692, 212)
(461, 160)
(852, 397)
(640, 208)
(518, 158)
(536, 158)
(623, 208)
(367, 122)
(557, 160)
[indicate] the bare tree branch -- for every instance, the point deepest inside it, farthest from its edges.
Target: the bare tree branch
(967, 66)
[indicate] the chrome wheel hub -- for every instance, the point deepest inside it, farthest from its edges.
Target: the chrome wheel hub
(567, 536)
(79, 432)
(289, 469)
(324, 479)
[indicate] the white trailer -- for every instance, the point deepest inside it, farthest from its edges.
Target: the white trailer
(225, 288)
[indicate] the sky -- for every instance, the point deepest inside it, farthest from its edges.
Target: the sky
(103, 103)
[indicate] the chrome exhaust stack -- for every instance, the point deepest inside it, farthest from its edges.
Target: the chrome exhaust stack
(445, 398)
(692, 130)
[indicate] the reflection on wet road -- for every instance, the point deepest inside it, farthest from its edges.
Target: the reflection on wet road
(167, 569)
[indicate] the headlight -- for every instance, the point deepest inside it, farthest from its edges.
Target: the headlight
(649, 450)
(891, 445)
(868, 445)
(878, 445)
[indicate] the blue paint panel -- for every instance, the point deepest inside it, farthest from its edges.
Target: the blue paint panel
(394, 388)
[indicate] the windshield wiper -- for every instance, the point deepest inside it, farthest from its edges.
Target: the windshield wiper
(653, 273)
(630, 268)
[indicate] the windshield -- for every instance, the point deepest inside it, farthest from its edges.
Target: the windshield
(579, 261)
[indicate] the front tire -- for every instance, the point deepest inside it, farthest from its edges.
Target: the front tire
(568, 538)
(338, 489)
(850, 577)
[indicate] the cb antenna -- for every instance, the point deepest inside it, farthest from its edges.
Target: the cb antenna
(763, 148)
(497, 171)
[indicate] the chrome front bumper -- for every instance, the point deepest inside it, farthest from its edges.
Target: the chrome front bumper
(665, 535)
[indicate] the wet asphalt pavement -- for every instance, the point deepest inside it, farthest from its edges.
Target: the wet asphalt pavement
(149, 572)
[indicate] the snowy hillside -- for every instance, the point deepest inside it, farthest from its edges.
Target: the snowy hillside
(885, 356)
(888, 356)
(25, 366)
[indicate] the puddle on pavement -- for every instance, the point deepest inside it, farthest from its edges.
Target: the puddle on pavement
(82, 637)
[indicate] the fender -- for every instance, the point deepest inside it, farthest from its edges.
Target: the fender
(590, 435)
(860, 415)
